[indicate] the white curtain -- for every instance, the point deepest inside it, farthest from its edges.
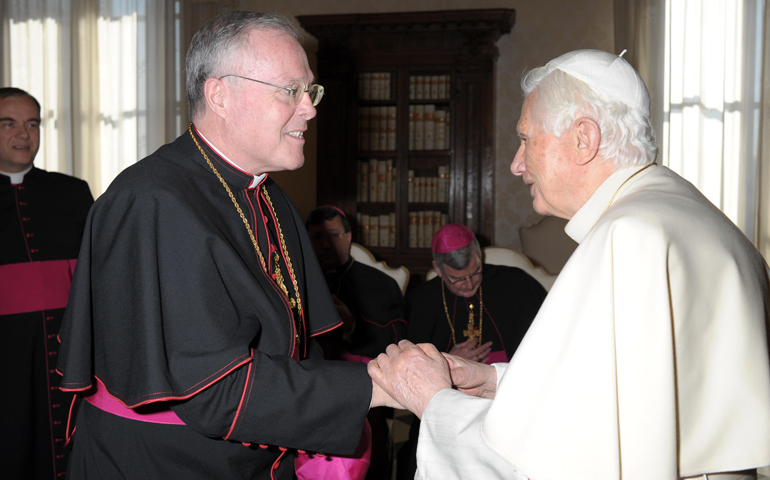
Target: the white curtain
(703, 63)
(713, 68)
(40, 32)
(108, 75)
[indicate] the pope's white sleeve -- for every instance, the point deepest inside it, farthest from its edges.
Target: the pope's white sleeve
(500, 369)
(450, 444)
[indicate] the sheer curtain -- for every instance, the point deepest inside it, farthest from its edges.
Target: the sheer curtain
(108, 74)
(703, 63)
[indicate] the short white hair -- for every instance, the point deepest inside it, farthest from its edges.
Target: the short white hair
(627, 135)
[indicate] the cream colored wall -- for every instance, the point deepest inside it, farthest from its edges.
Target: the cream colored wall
(544, 29)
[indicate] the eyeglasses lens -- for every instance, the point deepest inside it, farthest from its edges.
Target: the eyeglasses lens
(315, 91)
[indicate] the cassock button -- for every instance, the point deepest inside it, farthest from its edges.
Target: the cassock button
(264, 218)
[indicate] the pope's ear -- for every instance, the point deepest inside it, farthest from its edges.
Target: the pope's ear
(214, 92)
(588, 137)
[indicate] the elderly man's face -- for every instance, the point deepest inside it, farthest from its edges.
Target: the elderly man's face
(330, 242)
(543, 161)
(267, 129)
(19, 133)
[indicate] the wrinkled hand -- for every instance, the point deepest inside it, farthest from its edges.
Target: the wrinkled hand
(348, 321)
(470, 351)
(471, 377)
(411, 374)
(380, 398)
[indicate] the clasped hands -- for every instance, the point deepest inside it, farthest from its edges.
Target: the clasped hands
(408, 375)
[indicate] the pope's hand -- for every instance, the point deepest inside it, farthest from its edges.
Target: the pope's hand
(411, 374)
(471, 377)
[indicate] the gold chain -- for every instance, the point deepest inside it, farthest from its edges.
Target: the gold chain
(298, 303)
(278, 276)
(470, 316)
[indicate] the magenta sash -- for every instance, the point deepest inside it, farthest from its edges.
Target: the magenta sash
(102, 400)
(497, 357)
(317, 467)
(33, 286)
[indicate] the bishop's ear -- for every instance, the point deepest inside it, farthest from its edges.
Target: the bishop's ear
(214, 91)
(588, 137)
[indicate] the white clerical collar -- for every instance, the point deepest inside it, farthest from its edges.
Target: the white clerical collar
(17, 177)
(257, 178)
(585, 218)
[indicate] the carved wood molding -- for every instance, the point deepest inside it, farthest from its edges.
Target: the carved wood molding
(488, 25)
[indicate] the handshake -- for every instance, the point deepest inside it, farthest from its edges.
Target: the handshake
(408, 375)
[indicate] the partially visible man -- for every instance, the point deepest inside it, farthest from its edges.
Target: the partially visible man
(371, 306)
(42, 215)
(649, 358)
(477, 312)
(369, 302)
(197, 293)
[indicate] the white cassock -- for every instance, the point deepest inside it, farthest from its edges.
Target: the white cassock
(648, 359)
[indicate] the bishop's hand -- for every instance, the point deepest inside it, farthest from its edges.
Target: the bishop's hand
(470, 350)
(411, 374)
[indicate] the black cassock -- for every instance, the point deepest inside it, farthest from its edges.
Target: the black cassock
(377, 305)
(41, 223)
(511, 299)
(170, 307)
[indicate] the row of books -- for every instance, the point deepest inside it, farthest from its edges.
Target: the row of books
(380, 230)
(374, 86)
(423, 225)
(377, 128)
(429, 87)
(377, 230)
(376, 181)
(429, 189)
(428, 128)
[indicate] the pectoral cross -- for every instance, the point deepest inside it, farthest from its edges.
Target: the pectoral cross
(472, 333)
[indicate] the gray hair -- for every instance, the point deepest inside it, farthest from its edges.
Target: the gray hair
(215, 48)
(627, 135)
(460, 258)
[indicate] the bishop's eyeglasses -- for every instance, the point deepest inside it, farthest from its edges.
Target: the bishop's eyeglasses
(473, 277)
(295, 91)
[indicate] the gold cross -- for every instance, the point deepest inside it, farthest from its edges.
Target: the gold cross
(472, 333)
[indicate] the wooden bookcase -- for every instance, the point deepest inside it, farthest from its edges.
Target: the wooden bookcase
(460, 44)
